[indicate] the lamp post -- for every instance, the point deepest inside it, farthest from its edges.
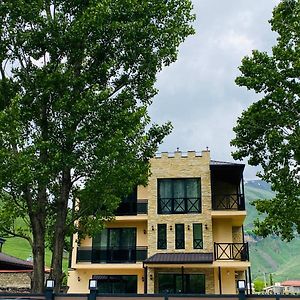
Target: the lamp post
(50, 284)
(93, 289)
(241, 286)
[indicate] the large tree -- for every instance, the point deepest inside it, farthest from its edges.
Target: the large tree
(77, 77)
(268, 132)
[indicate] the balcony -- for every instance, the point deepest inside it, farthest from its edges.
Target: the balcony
(231, 251)
(228, 202)
(129, 255)
(179, 205)
(132, 208)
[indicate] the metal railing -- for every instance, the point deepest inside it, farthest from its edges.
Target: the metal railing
(179, 205)
(231, 251)
(111, 255)
(132, 208)
(228, 202)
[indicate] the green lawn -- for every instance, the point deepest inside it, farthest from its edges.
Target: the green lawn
(20, 248)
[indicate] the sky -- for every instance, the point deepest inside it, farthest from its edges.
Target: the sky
(197, 93)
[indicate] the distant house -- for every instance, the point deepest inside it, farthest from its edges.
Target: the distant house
(15, 273)
(288, 287)
(291, 286)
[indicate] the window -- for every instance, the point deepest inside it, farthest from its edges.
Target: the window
(115, 245)
(197, 236)
(181, 283)
(179, 236)
(114, 284)
(177, 196)
(162, 236)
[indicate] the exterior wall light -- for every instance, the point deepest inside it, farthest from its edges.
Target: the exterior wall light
(241, 285)
(92, 284)
(50, 284)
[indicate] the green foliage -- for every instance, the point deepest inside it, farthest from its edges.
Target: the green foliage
(258, 285)
(269, 254)
(77, 78)
(268, 132)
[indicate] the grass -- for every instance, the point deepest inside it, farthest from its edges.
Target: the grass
(20, 248)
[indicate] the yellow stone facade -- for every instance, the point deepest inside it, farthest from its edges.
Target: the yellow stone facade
(218, 226)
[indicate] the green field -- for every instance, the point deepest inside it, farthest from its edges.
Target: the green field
(269, 255)
(20, 248)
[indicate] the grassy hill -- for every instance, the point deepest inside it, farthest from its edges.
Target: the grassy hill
(269, 255)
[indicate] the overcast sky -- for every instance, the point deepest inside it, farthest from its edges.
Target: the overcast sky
(197, 93)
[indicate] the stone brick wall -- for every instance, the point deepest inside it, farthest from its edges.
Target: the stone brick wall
(191, 166)
(15, 280)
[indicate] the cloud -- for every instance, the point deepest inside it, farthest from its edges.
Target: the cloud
(197, 93)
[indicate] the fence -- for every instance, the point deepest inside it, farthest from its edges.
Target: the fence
(93, 295)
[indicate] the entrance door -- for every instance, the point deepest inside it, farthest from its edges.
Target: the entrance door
(181, 283)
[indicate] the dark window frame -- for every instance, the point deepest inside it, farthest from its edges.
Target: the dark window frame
(179, 240)
(161, 241)
(197, 241)
(184, 286)
(182, 205)
(113, 279)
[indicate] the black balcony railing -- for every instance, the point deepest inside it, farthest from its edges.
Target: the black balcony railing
(231, 251)
(179, 205)
(132, 208)
(112, 255)
(228, 202)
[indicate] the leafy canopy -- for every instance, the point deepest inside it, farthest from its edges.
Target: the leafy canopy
(268, 132)
(76, 80)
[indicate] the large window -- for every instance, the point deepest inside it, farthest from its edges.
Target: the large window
(197, 236)
(162, 236)
(179, 236)
(177, 196)
(115, 245)
(181, 283)
(114, 284)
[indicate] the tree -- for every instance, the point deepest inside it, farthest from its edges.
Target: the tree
(77, 78)
(268, 131)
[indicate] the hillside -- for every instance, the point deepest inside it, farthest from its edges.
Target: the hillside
(269, 255)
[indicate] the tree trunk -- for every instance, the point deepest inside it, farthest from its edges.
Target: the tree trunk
(38, 251)
(60, 229)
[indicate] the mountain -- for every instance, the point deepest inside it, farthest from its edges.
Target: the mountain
(269, 255)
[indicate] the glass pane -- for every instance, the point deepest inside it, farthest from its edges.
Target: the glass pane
(165, 205)
(179, 236)
(165, 188)
(114, 238)
(162, 236)
(193, 205)
(197, 234)
(128, 238)
(179, 188)
(179, 205)
(100, 240)
(166, 283)
(195, 284)
(193, 188)
(178, 284)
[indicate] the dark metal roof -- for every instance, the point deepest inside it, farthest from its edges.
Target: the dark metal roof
(8, 262)
(180, 258)
(224, 163)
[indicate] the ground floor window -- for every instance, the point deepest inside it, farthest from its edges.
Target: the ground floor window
(181, 283)
(114, 284)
